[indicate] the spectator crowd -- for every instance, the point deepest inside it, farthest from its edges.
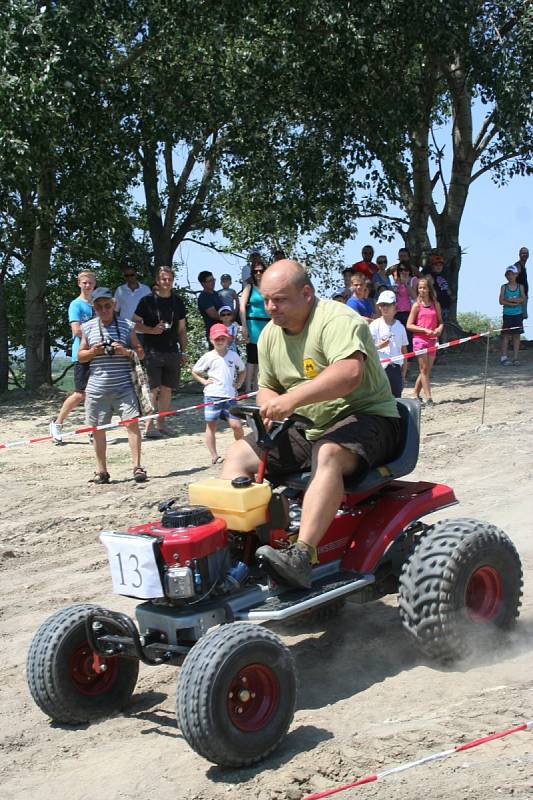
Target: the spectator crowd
(405, 306)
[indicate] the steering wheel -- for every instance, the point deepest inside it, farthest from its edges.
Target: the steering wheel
(267, 439)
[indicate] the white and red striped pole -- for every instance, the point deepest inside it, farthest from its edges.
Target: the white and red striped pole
(120, 423)
(419, 762)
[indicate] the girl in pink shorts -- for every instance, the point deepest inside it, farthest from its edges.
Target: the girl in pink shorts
(425, 323)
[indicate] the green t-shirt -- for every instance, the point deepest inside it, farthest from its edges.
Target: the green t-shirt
(332, 332)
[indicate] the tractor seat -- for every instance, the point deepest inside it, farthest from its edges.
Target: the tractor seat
(403, 464)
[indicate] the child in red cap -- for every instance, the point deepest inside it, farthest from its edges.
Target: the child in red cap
(221, 371)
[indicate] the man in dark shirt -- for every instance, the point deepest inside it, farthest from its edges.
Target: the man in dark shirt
(209, 302)
(523, 255)
(366, 266)
(442, 288)
(161, 317)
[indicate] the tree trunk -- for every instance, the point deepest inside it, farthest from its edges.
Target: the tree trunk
(4, 344)
(153, 202)
(416, 238)
(448, 222)
(38, 360)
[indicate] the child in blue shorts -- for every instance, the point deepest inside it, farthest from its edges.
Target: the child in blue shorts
(222, 372)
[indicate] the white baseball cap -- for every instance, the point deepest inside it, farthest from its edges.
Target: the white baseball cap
(387, 298)
(513, 268)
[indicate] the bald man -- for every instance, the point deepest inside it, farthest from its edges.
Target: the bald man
(316, 357)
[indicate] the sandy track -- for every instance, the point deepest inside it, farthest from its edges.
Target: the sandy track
(367, 700)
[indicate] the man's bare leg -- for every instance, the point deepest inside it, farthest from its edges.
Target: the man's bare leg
(324, 493)
(100, 445)
(134, 439)
(165, 398)
(240, 460)
(69, 405)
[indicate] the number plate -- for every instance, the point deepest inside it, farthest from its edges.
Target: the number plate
(133, 565)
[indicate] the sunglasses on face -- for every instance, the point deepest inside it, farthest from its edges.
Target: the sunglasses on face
(103, 306)
(258, 271)
(381, 262)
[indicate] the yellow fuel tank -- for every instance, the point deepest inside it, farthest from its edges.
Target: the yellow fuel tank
(241, 508)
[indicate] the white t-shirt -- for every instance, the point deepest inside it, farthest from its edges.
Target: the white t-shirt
(395, 333)
(127, 299)
(224, 371)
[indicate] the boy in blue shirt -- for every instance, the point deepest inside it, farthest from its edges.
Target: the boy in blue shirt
(359, 300)
(79, 311)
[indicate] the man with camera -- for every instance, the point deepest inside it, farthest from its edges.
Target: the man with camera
(161, 318)
(107, 345)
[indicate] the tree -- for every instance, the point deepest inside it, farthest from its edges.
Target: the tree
(487, 58)
(239, 118)
(59, 141)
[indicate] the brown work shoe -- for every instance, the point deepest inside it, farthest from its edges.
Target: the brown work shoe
(291, 565)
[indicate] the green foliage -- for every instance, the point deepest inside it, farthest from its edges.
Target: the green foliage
(475, 322)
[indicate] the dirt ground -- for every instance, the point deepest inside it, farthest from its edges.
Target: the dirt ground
(367, 700)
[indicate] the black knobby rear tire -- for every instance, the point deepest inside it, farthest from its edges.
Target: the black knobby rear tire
(236, 694)
(60, 672)
(460, 588)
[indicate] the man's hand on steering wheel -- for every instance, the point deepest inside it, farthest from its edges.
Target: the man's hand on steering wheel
(277, 408)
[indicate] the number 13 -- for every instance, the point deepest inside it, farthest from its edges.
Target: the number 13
(135, 570)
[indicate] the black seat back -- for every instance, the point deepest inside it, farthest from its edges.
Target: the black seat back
(405, 461)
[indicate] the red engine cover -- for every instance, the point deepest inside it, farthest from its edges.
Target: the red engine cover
(181, 545)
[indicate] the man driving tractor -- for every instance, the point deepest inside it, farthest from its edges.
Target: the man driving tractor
(316, 357)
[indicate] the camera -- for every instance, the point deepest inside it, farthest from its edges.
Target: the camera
(108, 346)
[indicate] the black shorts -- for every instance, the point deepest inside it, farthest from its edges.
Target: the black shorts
(162, 368)
(251, 354)
(81, 376)
(513, 321)
(376, 440)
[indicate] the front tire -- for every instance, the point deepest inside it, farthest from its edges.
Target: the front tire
(61, 672)
(460, 588)
(236, 694)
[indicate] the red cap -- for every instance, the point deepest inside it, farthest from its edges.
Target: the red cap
(218, 329)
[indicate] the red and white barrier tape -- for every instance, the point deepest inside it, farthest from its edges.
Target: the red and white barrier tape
(444, 345)
(111, 425)
(420, 761)
(122, 422)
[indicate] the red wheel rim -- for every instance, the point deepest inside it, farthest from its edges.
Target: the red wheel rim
(484, 594)
(253, 697)
(85, 677)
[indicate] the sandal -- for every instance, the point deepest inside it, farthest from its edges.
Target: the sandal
(139, 475)
(100, 478)
(217, 460)
(516, 363)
